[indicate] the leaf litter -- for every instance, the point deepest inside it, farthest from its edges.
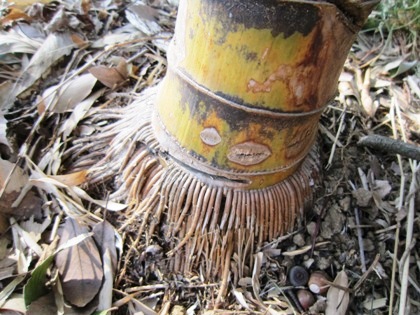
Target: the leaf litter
(79, 266)
(84, 57)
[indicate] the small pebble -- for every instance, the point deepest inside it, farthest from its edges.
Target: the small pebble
(324, 263)
(299, 240)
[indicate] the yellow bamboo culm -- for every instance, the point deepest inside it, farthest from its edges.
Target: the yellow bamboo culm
(221, 157)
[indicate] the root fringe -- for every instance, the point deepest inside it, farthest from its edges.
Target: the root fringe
(204, 227)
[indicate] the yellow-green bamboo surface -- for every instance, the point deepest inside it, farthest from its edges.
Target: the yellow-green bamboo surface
(246, 85)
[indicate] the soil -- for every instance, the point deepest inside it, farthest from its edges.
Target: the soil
(365, 219)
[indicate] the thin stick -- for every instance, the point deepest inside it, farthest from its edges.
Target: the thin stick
(393, 272)
(367, 272)
(340, 127)
(326, 132)
(360, 239)
(356, 215)
(390, 145)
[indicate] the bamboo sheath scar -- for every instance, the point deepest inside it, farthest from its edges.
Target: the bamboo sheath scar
(222, 158)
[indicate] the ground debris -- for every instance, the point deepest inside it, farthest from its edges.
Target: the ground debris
(86, 57)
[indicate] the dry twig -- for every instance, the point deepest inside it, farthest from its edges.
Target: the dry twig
(390, 145)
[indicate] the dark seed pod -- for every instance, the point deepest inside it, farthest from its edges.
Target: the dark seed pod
(298, 276)
(305, 298)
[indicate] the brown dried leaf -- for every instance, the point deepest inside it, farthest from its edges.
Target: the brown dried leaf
(80, 266)
(79, 40)
(72, 179)
(111, 77)
(85, 6)
(338, 299)
(15, 15)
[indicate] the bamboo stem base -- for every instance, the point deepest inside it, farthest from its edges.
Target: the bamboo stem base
(204, 227)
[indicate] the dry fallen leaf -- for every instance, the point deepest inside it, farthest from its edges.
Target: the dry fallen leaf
(54, 47)
(371, 304)
(14, 305)
(240, 298)
(14, 15)
(256, 273)
(143, 18)
(72, 179)
(104, 235)
(80, 266)
(111, 77)
(338, 299)
(17, 179)
(78, 114)
(15, 199)
(16, 41)
(61, 98)
(368, 104)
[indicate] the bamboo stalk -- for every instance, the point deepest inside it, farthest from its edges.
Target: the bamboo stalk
(221, 158)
